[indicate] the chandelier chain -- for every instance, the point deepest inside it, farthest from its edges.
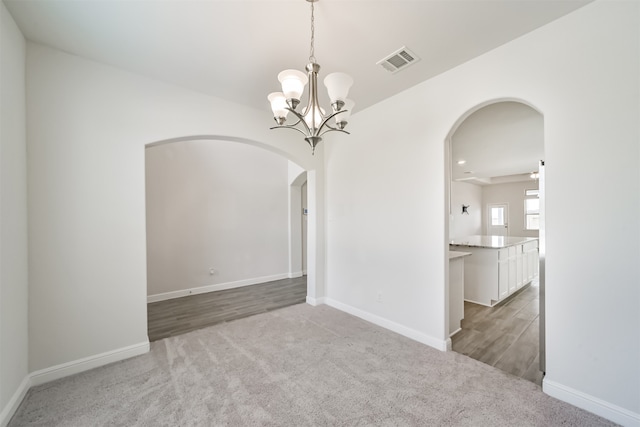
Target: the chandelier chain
(312, 57)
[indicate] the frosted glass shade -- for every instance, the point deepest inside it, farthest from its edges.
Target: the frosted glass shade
(348, 107)
(278, 104)
(338, 85)
(293, 83)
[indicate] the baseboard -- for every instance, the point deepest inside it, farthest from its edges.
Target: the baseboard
(315, 301)
(74, 367)
(388, 324)
(295, 274)
(14, 402)
(592, 404)
(217, 287)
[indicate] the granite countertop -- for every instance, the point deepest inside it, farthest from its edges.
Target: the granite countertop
(491, 242)
(457, 254)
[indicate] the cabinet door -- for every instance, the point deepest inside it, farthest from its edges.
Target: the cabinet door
(513, 270)
(503, 274)
(519, 267)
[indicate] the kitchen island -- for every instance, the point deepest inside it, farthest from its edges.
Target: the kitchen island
(500, 266)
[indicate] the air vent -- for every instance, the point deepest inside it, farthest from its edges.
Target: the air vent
(398, 60)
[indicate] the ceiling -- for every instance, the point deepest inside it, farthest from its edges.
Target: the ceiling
(234, 49)
(501, 142)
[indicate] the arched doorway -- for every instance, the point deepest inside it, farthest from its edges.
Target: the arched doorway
(219, 219)
(495, 181)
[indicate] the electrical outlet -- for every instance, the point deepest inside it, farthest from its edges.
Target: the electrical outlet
(379, 297)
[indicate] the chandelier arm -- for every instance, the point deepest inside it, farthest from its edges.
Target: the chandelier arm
(326, 119)
(332, 129)
(289, 127)
(300, 120)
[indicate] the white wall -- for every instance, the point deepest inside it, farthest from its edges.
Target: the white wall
(470, 223)
(215, 204)
(13, 218)
(88, 127)
(512, 194)
(386, 201)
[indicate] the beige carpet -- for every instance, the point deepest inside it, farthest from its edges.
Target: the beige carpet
(297, 366)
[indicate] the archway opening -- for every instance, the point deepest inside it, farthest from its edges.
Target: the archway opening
(495, 232)
(218, 233)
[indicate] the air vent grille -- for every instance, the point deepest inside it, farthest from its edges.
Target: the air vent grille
(398, 60)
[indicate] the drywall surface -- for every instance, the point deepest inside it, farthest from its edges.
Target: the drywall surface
(386, 213)
(513, 194)
(467, 223)
(13, 214)
(88, 128)
(215, 205)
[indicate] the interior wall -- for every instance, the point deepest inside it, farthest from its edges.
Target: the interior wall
(385, 192)
(214, 205)
(512, 194)
(470, 223)
(88, 128)
(13, 215)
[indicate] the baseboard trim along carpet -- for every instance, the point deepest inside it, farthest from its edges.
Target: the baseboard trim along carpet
(592, 404)
(388, 324)
(14, 402)
(76, 366)
(64, 370)
(218, 287)
(315, 301)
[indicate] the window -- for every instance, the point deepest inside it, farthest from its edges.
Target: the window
(531, 210)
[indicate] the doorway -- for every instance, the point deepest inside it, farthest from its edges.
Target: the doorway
(498, 219)
(217, 221)
(493, 157)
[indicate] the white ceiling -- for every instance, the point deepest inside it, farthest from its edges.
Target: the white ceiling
(502, 142)
(235, 49)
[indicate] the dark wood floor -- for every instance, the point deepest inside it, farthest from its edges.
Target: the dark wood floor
(180, 315)
(504, 336)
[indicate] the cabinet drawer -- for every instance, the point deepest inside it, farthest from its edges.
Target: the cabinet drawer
(503, 254)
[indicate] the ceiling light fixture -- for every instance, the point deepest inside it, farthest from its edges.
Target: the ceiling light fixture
(462, 162)
(312, 121)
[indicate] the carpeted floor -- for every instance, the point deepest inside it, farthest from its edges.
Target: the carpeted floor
(297, 366)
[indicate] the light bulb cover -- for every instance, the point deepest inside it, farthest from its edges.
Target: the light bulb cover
(338, 85)
(278, 105)
(293, 83)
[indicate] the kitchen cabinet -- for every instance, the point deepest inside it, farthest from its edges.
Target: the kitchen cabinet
(456, 290)
(498, 267)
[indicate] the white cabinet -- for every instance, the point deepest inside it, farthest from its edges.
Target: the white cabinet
(456, 290)
(492, 274)
(503, 273)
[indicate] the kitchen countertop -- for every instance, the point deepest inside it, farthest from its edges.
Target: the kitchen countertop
(490, 242)
(457, 254)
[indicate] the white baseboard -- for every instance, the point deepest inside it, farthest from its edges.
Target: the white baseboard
(592, 404)
(315, 301)
(14, 402)
(216, 287)
(70, 368)
(295, 274)
(59, 371)
(388, 324)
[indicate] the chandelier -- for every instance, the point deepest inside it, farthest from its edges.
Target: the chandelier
(312, 121)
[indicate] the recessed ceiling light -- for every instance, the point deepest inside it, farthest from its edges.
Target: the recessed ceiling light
(462, 162)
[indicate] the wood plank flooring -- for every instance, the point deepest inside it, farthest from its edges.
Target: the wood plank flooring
(504, 336)
(181, 315)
